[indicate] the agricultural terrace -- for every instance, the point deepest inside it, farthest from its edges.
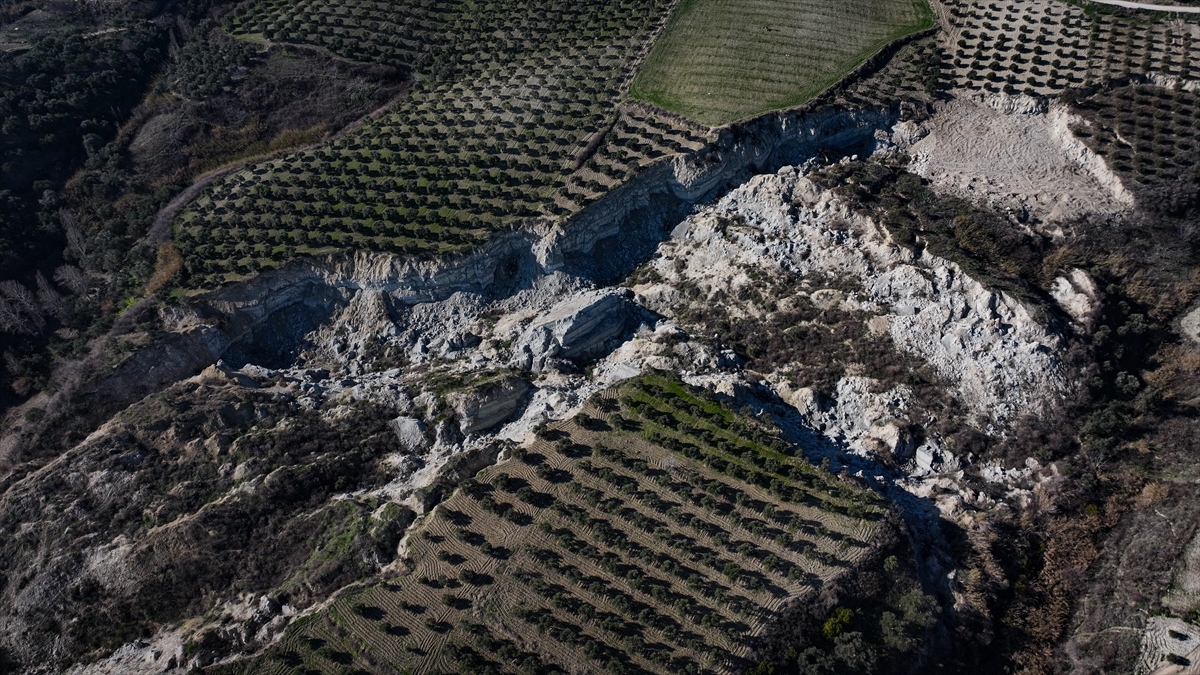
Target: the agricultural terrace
(656, 532)
(357, 30)
(724, 60)
(518, 116)
(1042, 47)
(1148, 134)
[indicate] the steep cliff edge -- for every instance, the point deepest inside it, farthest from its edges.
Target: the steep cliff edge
(424, 367)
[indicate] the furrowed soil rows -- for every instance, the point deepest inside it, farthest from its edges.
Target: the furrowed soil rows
(724, 60)
(656, 532)
(518, 116)
(1042, 47)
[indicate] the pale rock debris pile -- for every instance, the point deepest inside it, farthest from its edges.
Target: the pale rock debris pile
(1190, 325)
(999, 360)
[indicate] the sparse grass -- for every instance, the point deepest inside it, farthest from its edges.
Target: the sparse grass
(600, 546)
(724, 60)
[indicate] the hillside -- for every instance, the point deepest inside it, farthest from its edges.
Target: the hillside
(720, 61)
(518, 117)
(733, 337)
(598, 545)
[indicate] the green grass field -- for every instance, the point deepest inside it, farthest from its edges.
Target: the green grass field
(720, 61)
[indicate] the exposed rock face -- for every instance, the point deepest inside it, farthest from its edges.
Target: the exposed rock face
(579, 328)
(1078, 296)
(530, 300)
(487, 405)
(411, 432)
(1000, 360)
(1191, 325)
(217, 374)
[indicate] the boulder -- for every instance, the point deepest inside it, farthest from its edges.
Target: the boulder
(489, 404)
(1078, 296)
(808, 401)
(584, 327)
(929, 460)
(826, 298)
(1191, 325)
(218, 375)
(411, 432)
(893, 437)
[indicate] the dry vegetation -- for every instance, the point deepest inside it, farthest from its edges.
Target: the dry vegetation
(655, 532)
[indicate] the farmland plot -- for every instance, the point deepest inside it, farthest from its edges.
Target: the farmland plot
(1042, 47)
(358, 30)
(724, 60)
(502, 129)
(1148, 134)
(656, 532)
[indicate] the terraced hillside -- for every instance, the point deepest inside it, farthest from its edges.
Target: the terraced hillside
(1043, 47)
(724, 60)
(655, 532)
(1148, 134)
(517, 116)
(361, 30)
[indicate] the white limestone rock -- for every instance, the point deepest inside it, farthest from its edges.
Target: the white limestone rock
(581, 327)
(1191, 325)
(411, 433)
(489, 404)
(1078, 296)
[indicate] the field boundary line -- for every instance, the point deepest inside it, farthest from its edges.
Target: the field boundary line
(160, 231)
(1175, 9)
(872, 63)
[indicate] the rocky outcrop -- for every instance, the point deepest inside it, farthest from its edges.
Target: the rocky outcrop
(1190, 325)
(763, 144)
(987, 344)
(579, 328)
(1078, 296)
(411, 433)
(454, 471)
(624, 227)
(486, 405)
(529, 300)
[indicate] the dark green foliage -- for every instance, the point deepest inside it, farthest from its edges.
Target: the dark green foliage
(488, 141)
(884, 627)
(60, 102)
(205, 68)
